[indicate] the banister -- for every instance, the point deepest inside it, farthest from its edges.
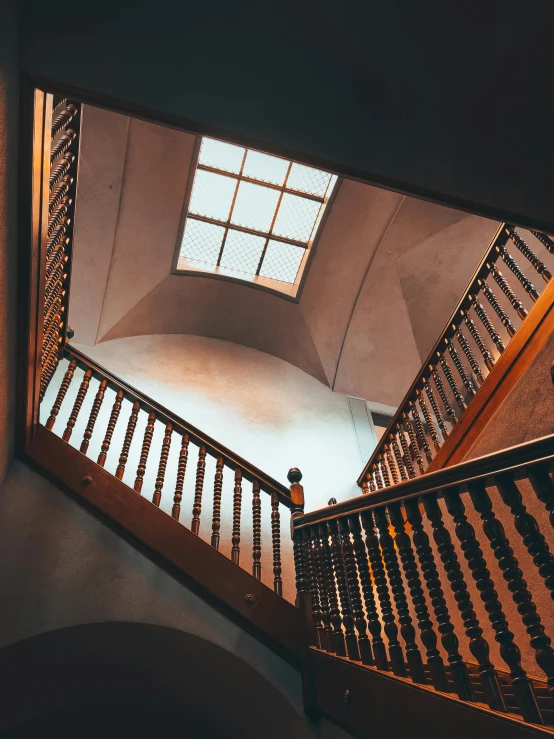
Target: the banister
(445, 333)
(511, 460)
(213, 447)
(459, 363)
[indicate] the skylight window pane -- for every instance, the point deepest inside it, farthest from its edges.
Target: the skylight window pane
(212, 195)
(282, 261)
(242, 252)
(255, 206)
(308, 179)
(296, 217)
(265, 167)
(220, 155)
(202, 241)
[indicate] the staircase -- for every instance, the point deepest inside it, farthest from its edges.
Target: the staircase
(411, 607)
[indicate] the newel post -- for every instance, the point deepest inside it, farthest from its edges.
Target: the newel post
(301, 549)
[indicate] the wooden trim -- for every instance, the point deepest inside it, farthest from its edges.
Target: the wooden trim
(510, 366)
(370, 704)
(141, 112)
(514, 460)
(213, 447)
(215, 577)
(35, 120)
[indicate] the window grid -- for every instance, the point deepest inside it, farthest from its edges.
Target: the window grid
(284, 264)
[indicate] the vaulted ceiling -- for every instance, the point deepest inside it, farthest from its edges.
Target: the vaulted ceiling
(386, 274)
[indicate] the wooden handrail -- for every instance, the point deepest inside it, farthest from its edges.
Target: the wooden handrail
(512, 460)
(213, 447)
(367, 568)
(459, 363)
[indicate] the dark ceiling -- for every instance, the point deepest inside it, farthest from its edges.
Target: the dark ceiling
(452, 102)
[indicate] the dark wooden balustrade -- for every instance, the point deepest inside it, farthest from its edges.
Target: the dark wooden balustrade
(61, 150)
(428, 544)
(194, 448)
(460, 370)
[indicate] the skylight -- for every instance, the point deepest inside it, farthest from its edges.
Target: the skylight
(252, 215)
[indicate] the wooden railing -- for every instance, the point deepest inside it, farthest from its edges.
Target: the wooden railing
(366, 569)
(64, 121)
(143, 411)
(461, 360)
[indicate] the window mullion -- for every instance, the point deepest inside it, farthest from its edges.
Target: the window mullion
(273, 220)
(232, 208)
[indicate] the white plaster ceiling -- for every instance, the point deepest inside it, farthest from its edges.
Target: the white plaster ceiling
(387, 272)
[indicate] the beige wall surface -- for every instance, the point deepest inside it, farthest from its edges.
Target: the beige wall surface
(384, 278)
(8, 226)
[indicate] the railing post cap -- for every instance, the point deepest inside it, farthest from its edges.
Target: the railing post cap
(294, 475)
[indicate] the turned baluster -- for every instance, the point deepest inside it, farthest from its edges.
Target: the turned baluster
(318, 554)
(450, 412)
(198, 488)
(512, 265)
(545, 241)
(413, 655)
(413, 442)
(384, 470)
(66, 382)
(413, 581)
(83, 390)
(528, 528)
(94, 411)
(237, 503)
(342, 588)
(478, 645)
(373, 622)
(428, 420)
(470, 356)
(257, 531)
(303, 581)
(276, 543)
(504, 285)
(509, 651)
(63, 143)
(354, 592)
(381, 585)
(114, 415)
(420, 432)
(337, 641)
(406, 451)
(398, 458)
(466, 381)
(365, 485)
(485, 320)
(435, 406)
(64, 118)
(458, 397)
(160, 477)
(528, 253)
(216, 514)
(477, 338)
(509, 566)
(61, 169)
(312, 604)
(392, 466)
(145, 451)
(543, 487)
(181, 470)
(449, 640)
(131, 426)
(498, 309)
(59, 192)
